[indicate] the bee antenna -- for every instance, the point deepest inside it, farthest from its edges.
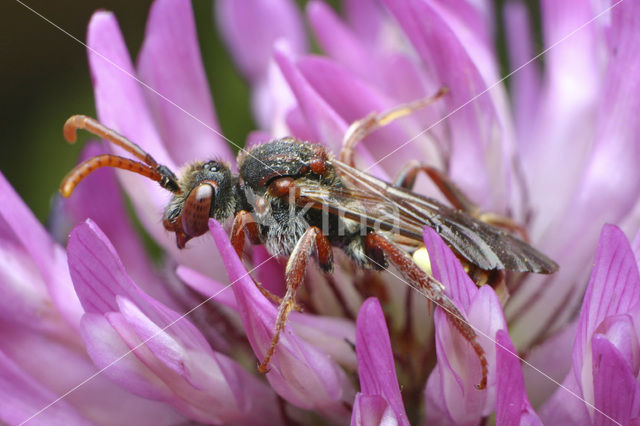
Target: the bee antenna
(82, 170)
(150, 168)
(93, 126)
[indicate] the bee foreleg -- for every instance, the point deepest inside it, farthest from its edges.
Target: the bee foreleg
(243, 226)
(313, 240)
(429, 287)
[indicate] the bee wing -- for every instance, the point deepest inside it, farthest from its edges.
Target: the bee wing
(405, 214)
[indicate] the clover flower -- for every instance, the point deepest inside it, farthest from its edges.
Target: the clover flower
(98, 333)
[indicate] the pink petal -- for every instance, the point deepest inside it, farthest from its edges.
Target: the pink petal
(271, 271)
(109, 212)
(568, 104)
(615, 387)
(526, 82)
(473, 126)
(372, 410)
(121, 106)
(25, 301)
(100, 278)
(204, 385)
(268, 21)
(376, 368)
(353, 99)
(341, 44)
(207, 287)
(23, 397)
(59, 363)
(170, 63)
(448, 270)
(334, 336)
(619, 330)
(367, 18)
(20, 228)
(614, 288)
(324, 122)
(325, 387)
(609, 188)
(476, 17)
(458, 371)
(328, 127)
(512, 405)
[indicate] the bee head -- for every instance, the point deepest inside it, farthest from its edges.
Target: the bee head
(207, 190)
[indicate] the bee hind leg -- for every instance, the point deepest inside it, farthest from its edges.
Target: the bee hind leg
(360, 129)
(313, 240)
(406, 179)
(428, 286)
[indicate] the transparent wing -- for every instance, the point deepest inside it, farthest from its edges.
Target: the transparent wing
(404, 214)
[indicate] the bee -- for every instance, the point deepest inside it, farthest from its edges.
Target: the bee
(299, 201)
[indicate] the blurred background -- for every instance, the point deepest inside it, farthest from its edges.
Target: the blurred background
(45, 79)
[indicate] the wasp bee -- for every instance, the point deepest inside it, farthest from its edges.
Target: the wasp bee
(299, 201)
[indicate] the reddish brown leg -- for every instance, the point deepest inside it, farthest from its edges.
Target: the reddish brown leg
(407, 178)
(312, 240)
(431, 288)
(360, 129)
(245, 226)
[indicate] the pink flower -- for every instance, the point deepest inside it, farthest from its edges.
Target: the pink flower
(98, 333)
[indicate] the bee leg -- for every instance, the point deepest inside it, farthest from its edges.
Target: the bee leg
(245, 226)
(360, 129)
(432, 289)
(313, 240)
(452, 192)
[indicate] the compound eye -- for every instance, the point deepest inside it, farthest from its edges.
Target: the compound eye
(195, 214)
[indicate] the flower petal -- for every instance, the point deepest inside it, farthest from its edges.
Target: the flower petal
(324, 122)
(448, 270)
(334, 336)
(23, 398)
(614, 288)
(207, 287)
(203, 384)
(526, 82)
(367, 18)
(340, 43)
(353, 99)
(614, 385)
(372, 410)
(20, 229)
(473, 127)
(170, 63)
(612, 181)
(512, 405)
(325, 386)
(376, 368)
(109, 212)
(268, 21)
(121, 106)
(458, 371)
